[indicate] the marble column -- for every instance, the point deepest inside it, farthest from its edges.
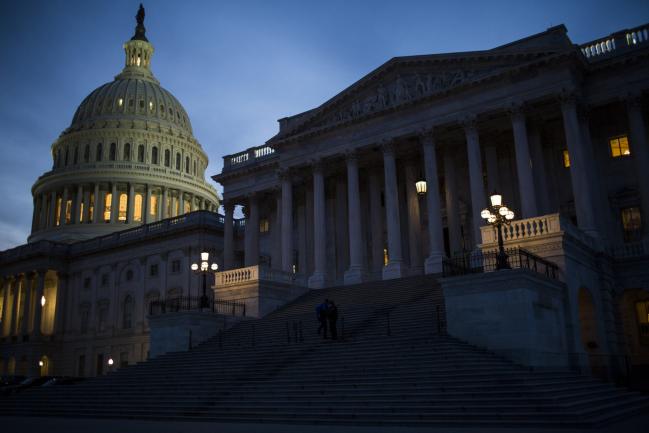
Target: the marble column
(64, 206)
(394, 268)
(43, 219)
(414, 218)
(639, 148)
(582, 193)
(165, 203)
(52, 222)
(6, 286)
(376, 219)
(39, 277)
(475, 178)
(318, 279)
(452, 208)
(78, 199)
(433, 264)
(529, 207)
(192, 203)
(540, 174)
(181, 202)
(114, 204)
(37, 213)
(251, 250)
(355, 273)
(27, 302)
(287, 222)
(59, 312)
(130, 211)
(493, 175)
(147, 205)
(85, 216)
(97, 206)
(228, 235)
(276, 254)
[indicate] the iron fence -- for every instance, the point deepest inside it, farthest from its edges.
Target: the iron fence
(479, 262)
(188, 303)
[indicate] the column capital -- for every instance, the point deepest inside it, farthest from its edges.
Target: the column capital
(228, 205)
(427, 136)
(569, 97)
(469, 122)
(387, 146)
(516, 109)
(351, 155)
(317, 165)
(633, 100)
(284, 173)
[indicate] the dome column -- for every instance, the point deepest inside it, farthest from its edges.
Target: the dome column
(52, 221)
(64, 202)
(181, 202)
(114, 203)
(76, 217)
(147, 205)
(42, 223)
(96, 207)
(165, 206)
(131, 200)
(86, 206)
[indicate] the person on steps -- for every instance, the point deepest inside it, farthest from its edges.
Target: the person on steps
(321, 315)
(332, 318)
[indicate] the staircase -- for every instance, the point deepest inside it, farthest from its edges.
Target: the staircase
(393, 366)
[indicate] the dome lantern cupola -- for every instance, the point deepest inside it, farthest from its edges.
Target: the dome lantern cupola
(138, 53)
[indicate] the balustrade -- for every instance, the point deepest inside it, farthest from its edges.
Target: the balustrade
(620, 41)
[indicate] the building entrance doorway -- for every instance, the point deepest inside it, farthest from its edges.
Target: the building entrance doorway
(633, 308)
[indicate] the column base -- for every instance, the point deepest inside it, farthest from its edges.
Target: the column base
(316, 281)
(434, 264)
(393, 270)
(354, 275)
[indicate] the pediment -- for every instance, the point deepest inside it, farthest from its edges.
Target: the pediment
(408, 80)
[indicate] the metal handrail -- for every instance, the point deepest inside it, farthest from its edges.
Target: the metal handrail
(189, 303)
(479, 262)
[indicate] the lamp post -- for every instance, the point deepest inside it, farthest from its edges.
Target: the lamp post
(497, 214)
(203, 268)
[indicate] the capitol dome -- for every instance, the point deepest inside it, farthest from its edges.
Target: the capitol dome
(128, 158)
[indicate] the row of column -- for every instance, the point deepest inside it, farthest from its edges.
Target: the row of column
(22, 294)
(84, 207)
(528, 165)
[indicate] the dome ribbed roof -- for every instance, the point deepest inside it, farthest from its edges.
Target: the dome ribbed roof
(132, 99)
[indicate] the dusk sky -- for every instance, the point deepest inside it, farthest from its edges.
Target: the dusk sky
(236, 67)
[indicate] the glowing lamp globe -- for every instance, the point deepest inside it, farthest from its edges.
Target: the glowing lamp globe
(496, 200)
(194, 267)
(503, 210)
(421, 187)
(485, 214)
(43, 301)
(214, 266)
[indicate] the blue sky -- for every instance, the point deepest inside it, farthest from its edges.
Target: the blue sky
(235, 66)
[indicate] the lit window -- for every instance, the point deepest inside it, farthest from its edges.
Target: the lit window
(137, 208)
(619, 146)
(58, 211)
(151, 106)
(68, 211)
(264, 226)
(153, 206)
(187, 206)
(566, 158)
(385, 257)
(642, 313)
(91, 208)
(120, 102)
(631, 224)
(108, 200)
(123, 203)
(81, 212)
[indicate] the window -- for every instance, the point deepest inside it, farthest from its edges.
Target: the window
(167, 158)
(67, 151)
(131, 102)
(127, 312)
(178, 161)
(83, 319)
(187, 164)
(91, 208)
(127, 152)
(86, 282)
(81, 367)
(123, 203)
(642, 312)
(264, 226)
(58, 211)
(619, 146)
(194, 168)
(86, 153)
(153, 270)
(631, 224)
(129, 275)
(120, 102)
(140, 153)
(75, 159)
(102, 318)
(81, 205)
(154, 155)
(566, 158)
(137, 208)
(151, 106)
(100, 150)
(187, 206)
(175, 266)
(108, 200)
(68, 211)
(112, 152)
(141, 104)
(153, 206)
(104, 280)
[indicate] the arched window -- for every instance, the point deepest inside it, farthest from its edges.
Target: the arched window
(108, 201)
(154, 155)
(140, 153)
(127, 152)
(113, 152)
(127, 312)
(177, 161)
(123, 203)
(167, 158)
(153, 206)
(86, 153)
(137, 208)
(194, 167)
(84, 315)
(100, 150)
(187, 164)
(102, 317)
(76, 155)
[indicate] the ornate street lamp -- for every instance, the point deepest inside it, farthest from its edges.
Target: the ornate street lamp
(498, 215)
(203, 268)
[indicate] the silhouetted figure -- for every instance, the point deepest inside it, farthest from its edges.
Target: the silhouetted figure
(321, 315)
(332, 318)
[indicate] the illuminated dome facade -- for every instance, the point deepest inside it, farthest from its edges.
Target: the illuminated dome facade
(128, 158)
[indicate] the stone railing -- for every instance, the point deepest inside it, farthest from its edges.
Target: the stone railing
(524, 229)
(253, 274)
(630, 250)
(615, 43)
(248, 156)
